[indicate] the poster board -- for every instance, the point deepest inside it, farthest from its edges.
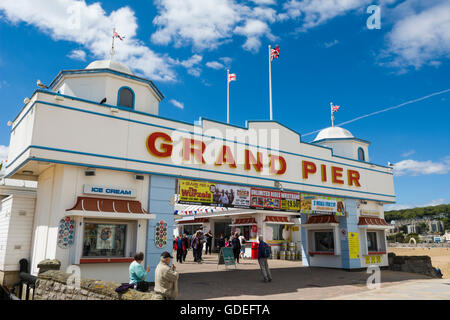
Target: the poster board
(226, 257)
(353, 245)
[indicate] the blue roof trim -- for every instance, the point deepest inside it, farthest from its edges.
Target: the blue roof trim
(61, 74)
(194, 133)
(188, 177)
(341, 139)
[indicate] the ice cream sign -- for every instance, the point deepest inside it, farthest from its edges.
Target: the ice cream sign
(109, 191)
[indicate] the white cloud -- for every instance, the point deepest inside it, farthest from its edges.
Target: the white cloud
(226, 61)
(408, 153)
(77, 55)
(190, 64)
(91, 27)
(420, 37)
(215, 65)
(206, 24)
(415, 168)
(264, 2)
(312, 13)
(331, 44)
(177, 104)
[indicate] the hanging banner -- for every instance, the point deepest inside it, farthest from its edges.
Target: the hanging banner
(195, 192)
(231, 196)
(319, 204)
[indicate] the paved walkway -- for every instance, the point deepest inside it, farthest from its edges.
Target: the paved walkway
(291, 281)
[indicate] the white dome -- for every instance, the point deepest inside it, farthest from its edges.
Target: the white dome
(109, 64)
(333, 133)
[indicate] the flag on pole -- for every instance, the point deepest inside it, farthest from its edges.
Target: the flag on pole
(116, 35)
(232, 77)
(335, 108)
(275, 53)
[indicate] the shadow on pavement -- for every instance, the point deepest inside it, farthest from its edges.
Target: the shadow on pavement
(296, 282)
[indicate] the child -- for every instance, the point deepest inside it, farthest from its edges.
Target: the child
(227, 244)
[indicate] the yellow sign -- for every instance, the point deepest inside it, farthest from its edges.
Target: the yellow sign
(290, 205)
(373, 259)
(195, 191)
(353, 245)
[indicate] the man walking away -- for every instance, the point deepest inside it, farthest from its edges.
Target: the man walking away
(196, 246)
(166, 279)
(186, 245)
(263, 255)
(179, 248)
(209, 239)
(236, 245)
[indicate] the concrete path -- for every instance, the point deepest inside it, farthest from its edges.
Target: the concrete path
(292, 281)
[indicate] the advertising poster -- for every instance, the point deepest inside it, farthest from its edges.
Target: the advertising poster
(290, 201)
(265, 199)
(318, 204)
(195, 192)
(105, 237)
(220, 195)
(231, 196)
(353, 245)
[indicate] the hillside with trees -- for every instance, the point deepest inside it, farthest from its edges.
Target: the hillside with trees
(417, 213)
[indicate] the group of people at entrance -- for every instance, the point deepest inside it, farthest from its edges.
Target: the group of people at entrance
(182, 244)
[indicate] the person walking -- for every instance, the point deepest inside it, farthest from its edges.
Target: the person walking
(179, 247)
(195, 243)
(221, 242)
(236, 245)
(263, 255)
(138, 274)
(209, 238)
(242, 241)
(186, 245)
(166, 279)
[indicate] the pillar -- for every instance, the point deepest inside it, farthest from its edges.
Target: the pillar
(161, 190)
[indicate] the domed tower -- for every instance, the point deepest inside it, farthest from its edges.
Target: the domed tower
(111, 84)
(343, 143)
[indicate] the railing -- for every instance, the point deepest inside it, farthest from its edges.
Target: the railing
(27, 280)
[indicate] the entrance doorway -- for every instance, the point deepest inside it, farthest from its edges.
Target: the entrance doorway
(221, 227)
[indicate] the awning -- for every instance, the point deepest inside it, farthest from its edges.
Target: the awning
(322, 219)
(278, 220)
(373, 223)
(193, 221)
(243, 222)
(109, 208)
(187, 210)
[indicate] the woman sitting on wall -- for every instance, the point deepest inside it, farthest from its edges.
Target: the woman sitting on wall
(138, 274)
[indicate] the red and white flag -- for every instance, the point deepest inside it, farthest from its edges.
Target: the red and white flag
(232, 77)
(116, 35)
(334, 108)
(275, 53)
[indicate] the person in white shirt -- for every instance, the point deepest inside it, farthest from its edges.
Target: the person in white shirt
(242, 240)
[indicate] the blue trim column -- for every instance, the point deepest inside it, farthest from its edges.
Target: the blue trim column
(161, 189)
(350, 224)
(305, 255)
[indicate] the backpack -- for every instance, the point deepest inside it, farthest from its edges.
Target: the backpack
(266, 250)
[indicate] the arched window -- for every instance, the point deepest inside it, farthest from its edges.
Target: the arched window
(361, 155)
(126, 97)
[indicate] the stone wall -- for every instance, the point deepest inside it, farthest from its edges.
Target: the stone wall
(413, 264)
(52, 285)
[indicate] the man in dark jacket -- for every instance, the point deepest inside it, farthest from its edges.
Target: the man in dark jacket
(236, 245)
(263, 255)
(209, 238)
(186, 245)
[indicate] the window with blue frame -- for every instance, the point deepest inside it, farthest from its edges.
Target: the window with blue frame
(125, 98)
(361, 155)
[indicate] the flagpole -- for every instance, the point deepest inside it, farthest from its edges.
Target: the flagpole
(332, 114)
(228, 96)
(270, 84)
(112, 47)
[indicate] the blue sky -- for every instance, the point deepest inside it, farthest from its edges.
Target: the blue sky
(327, 54)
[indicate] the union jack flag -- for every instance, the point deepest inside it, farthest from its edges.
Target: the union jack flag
(116, 35)
(275, 53)
(334, 108)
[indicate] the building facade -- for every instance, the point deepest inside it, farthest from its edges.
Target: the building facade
(109, 171)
